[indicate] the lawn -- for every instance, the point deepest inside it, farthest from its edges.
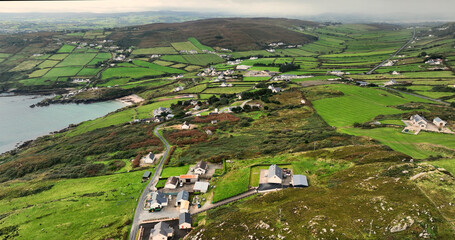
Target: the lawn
(231, 184)
(174, 171)
(84, 208)
(359, 105)
(66, 48)
(77, 59)
(157, 50)
(418, 146)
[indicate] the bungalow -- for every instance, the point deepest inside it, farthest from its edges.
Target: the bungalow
(152, 156)
(439, 122)
(276, 90)
(177, 89)
(201, 187)
(200, 168)
(390, 83)
(395, 73)
(171, 183)
(419, 121)
(161, 231)
(185, 221)
(437, 61)
(158, 200)
(146, 176)
(213, 121)
(188, 178)
(182, 196)
(299, 181)
(185, 125)
(184, 206)
(275, 174)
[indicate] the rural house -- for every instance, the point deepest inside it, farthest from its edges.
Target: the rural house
(201, 187)
(182, 196)
(184, 221)
(158, 200)
(299, 181)
(390, 83)
(172, 183)
(188, 178)
(161, 110)
(184, 206)
(200, 168)
(419, 121)
(161, 231)
(275, 174)
(439, 122)
(185, 125)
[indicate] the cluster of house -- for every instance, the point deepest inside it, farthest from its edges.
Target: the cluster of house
(159, 112)
(275, 175)
(235, 62)
(436, 61)
(416, 123)
(81, 80)
(188, 51)
(121, 58)
(199, 186)
(224, 84)
(163, 231)
(211, 72)
(389, 63)
(337, 73)
(288, 77)
(263, 73)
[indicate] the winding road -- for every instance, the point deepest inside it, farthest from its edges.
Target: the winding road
(153, 181)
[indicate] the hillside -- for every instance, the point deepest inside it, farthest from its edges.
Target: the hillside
(237, 34)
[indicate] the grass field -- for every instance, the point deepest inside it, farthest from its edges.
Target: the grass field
(26, 65)
(66, 48)
(227, 90)
(231, 184)
(62, 72)
(77, 59)
(199, 45)
(88, 71)
(174, 171)
(48, 64)
(58, 56)
(157, 67)
(122, 72)
(38, 73)
(203, 59)
(359, 105)
(157, 50)
(174, 58)
(418, 146)
(84, 208)
(185, 46)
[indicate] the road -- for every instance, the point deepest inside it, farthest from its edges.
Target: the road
(396, 53)
(147, 190)
(208, 205)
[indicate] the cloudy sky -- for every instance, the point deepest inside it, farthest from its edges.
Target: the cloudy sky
(442, 8)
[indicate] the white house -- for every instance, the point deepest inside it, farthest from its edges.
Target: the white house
(158, 200)
(419, 121)
(390, 83)
(185, 125)
(161, 231)
(439, 122)
(200, 168)
(242, 67)
(161, 110)
(275, 174)
(395, 73)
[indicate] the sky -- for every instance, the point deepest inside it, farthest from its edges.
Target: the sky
(284, 8)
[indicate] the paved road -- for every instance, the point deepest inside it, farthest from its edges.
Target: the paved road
(396, 53)
(208, 205)
(150, 185)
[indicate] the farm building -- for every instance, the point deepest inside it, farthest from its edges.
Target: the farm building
(200, 168)
(188, 178)
(172, 183)
(182, 196)
(184, 206)
(161, 231)
(184, 221)
(299, 181)
(158, 200)
(275, 174)
(146, 176)
(439, 122)
(201, 187)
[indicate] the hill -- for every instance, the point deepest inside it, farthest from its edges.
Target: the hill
(234, 33)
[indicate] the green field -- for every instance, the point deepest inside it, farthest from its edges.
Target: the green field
(185, 46)
(199, 45)
(26, 65)
(38, 73)
(77, 59)
(84, 208)
(359, 105)
(121, 72)
(88, 71)
(231, 184)
(157, 50)
(62, 72)
(58, 56)
(227, 90)
(48, 64)
(174, 171)
(203, 59)
(66, 48)
(174, 58)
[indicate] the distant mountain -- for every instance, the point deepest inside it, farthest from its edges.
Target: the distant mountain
(237, 34)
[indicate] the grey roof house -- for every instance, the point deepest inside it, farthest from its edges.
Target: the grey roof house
(161, 231)
(275, 174)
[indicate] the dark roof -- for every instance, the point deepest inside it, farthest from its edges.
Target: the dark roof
(201, 164)
(172, 180)
(158, 197)
(184, 218)
(161, 228)
(146, 174)
(183, 195)
(419, 118)
(274, 170)
(299, 181)
(152, 156)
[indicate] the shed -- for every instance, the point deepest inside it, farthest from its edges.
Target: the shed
(188, 178)
(182, 196)
(146, 175)
(184, 221)
(201, 187)
(299, 181)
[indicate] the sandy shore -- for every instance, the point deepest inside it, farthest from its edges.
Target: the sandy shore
(131, 99)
